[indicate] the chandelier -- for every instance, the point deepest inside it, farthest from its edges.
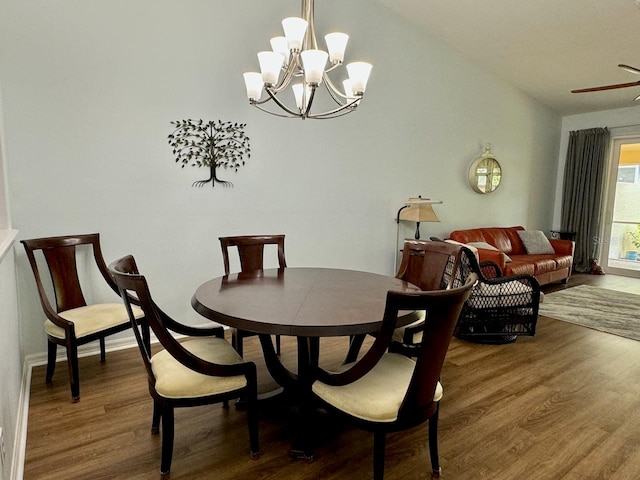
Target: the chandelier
(295, 57)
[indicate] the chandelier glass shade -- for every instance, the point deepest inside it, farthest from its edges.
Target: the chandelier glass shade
(295, 59)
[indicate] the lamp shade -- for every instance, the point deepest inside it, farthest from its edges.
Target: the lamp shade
(419, 212)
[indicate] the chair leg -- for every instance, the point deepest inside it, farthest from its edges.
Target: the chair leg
(355, 343)
(379, 440)
(155, 420)
(236, 340)
(167, 441)
(252, 420)
(74, 376)
(433, 443)
(278, 350)
(103, 350)
(52, 349)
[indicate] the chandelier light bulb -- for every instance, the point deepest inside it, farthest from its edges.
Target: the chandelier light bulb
(254, 84)
(336, 44)
(270, 64)
(359, 75)
(313, 62)
(281, 46)
(302, 95)
(294, 30)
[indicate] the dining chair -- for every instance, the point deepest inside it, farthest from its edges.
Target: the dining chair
(201, 370)
(429, 265)
(387, 391)
(74, 322)
(251, 252)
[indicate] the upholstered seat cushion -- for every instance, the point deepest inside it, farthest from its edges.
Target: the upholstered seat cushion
(416, 318)
(378, 395)
(92, 319)
(174, 380)
(518, 267)
(506, 294)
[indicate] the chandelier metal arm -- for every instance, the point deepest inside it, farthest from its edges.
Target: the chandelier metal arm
(305, 114)
(335, 94)
(349, 107)
(294, 64)
(339, 112)
(282, 115)
(310, 35)
(280, 104)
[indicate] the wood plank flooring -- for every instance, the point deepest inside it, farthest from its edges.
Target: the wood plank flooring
(564, 405)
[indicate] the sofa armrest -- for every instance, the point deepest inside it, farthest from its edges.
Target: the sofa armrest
(563, 247)
(495, 256)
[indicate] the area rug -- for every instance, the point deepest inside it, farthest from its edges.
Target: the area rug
(598, 308)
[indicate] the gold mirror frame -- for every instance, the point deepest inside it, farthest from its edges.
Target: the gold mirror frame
(485, 173)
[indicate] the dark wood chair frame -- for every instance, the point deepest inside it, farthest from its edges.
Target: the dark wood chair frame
(443, 308)
(251, 252)
(60, 256)
(133, 288)
(426, 264)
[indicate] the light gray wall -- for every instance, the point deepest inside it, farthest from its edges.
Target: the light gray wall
(90, 89)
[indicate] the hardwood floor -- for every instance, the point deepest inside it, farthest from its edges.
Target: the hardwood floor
(564, 405)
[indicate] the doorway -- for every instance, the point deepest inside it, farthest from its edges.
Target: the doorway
(621, 240)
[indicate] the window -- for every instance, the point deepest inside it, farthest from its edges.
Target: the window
(629, 174)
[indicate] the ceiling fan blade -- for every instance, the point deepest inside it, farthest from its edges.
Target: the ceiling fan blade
(629, 68)
(607, 87)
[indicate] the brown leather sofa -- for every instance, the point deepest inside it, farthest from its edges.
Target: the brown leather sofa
(546, 268)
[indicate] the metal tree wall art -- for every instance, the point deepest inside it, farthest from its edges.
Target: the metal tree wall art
(212, 144)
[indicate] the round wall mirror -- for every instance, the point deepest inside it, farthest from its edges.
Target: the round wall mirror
(485, 173)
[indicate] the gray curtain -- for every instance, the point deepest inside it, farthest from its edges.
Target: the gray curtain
(582, 192)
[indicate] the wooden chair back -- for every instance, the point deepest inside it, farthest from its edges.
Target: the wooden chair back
(60, 256)
(251, 251)
(133, 289)
(429, 265)
(443, 308)
(129, 282)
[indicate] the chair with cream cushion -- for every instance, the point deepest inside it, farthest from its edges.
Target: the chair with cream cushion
(251, 253)
(386, 391)
(201, 370)
(430, 265)
(73, 322)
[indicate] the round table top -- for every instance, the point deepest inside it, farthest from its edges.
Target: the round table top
(299, 301)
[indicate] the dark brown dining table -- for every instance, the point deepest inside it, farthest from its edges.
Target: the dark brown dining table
(307, 303)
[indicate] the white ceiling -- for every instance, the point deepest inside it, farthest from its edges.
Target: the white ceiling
(544, 47)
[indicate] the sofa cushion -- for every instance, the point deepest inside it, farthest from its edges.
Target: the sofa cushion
(563, 261)
(519, 267)
(535, 242)
(486, 246)
(544, 263)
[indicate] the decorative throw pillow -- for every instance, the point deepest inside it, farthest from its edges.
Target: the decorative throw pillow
(488, 246)
(473, 249)
(535, 242)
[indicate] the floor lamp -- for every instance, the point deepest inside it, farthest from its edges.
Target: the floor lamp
(416, 209)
